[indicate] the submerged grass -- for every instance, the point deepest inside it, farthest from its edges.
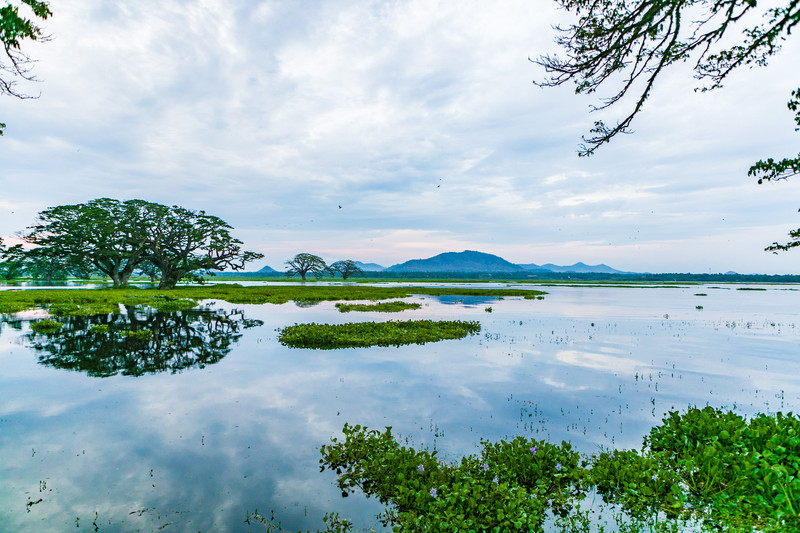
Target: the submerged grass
(384, 307)
(365, 334)
(70, 302)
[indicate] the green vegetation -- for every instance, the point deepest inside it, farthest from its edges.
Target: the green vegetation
(304, 264)
(346, 268)
(706, 468)
(45, 326)
(751, 289)
(139, 342)
(138, 334)
(65, 302)
(364, 334)
(114, 238)
(383, 307)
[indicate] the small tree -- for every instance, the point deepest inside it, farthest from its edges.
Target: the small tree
(147, 268)
(346, 268)
(303, 264)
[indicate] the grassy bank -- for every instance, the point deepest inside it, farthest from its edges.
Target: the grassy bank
(67, 302)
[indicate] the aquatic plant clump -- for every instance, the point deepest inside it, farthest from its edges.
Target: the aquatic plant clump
(45, 326)
(365, 334)
(382, 307)
(703, 470)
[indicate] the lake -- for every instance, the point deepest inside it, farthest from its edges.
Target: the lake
(216, 419)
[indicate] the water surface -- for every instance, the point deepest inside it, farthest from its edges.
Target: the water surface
(219, 419)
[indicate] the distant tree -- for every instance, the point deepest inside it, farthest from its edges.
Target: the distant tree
(12, 261)
(15, 28)
(46, 267)
(181, 241)
(147, 268)
(106, 233)
(303, 264)
(629, 43)
(346, 268)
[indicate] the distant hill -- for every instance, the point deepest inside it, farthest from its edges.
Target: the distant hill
(577, 267)
(369, 267)
(266, 270)
(466, 261)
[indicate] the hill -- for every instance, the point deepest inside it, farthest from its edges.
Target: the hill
(466, 261)
(577, 267)
(369, 267)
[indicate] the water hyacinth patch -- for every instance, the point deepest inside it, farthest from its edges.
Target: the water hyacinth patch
(382, 307)
(704, 470)
(365, 334)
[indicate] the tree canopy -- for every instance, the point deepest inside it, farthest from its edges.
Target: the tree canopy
(628, 44)
(14, 29)
(304, 264)
(346, 268)
(115, 237)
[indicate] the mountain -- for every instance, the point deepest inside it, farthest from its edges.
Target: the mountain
(577, 267)
(466, 261)
(266, 270)
(369, 267)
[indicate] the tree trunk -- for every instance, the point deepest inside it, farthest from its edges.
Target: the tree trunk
(168, 280)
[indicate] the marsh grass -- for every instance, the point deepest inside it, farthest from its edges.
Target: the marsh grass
(75, 302)
(45, 326)
(383, 307)
(365, 334)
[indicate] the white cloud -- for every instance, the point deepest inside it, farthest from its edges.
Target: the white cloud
(413, 116)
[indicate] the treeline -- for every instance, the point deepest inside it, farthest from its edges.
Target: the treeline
(561, 276)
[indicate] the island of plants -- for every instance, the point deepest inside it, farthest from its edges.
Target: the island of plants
(382, 307)
(365, 334)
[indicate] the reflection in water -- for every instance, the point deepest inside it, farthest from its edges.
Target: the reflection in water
(199, 450)
(141, 341)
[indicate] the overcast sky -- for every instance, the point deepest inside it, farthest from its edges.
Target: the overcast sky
(385, 131)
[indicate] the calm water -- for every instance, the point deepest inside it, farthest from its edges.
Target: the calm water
(213, 418)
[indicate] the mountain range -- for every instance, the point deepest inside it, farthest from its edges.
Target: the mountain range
(470, 261)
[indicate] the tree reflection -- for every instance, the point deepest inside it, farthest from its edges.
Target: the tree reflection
(141, 341)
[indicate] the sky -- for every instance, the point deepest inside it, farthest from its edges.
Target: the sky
(390, 130)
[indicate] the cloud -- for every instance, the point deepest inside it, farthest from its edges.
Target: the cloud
(412, 115)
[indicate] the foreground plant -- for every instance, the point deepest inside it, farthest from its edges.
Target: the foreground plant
(705, 470)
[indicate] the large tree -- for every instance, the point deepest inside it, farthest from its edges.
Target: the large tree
(116, 237)
(304, 264)
(627, 44)
(14, 29)
(105, 233)
(181, 241)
